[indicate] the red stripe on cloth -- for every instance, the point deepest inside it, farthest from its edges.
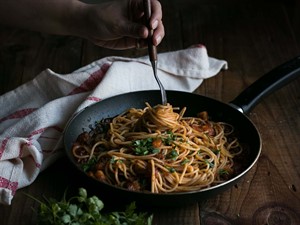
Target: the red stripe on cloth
(5, 183)
(28, 144)
(49, 138)
(59, 129)
(93, 99)
(36, 132)
(18, 114)
(93, 80)
(37, 165)
(3, 146)
(41, 130)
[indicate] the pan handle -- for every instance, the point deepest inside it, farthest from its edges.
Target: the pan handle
(270, 82)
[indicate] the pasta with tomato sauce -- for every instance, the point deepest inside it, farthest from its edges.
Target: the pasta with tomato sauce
(158, 149)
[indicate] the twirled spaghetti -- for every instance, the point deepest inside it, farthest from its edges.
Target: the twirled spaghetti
(159, 150)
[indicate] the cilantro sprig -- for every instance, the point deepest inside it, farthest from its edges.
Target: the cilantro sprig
(82, 209)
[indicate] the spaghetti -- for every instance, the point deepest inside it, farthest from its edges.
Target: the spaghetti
(159, 150)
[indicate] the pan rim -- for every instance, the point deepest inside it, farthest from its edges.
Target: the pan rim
(232, 180)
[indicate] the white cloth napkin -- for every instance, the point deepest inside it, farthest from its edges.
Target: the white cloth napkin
(33, 116)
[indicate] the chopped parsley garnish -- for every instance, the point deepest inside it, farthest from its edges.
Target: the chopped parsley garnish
(223, 172)
(89, 164)
(216, 151)
(171, 169)
(144, 147)
(173, 154)
(211, 165)
(169, 139)
(185, 161)
(114, 160)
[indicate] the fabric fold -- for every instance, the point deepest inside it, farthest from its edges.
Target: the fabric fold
(35, 114)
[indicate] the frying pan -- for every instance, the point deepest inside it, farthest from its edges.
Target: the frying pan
(234, 113)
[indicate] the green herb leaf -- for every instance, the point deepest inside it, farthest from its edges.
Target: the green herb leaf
(185, 161)
(223, 172)
(66, 219)
(171, 169)
(89, 164)
(173, 154)
(211, 164)
(82, 209)
(169, 139)
(144, 147)
(216, 151)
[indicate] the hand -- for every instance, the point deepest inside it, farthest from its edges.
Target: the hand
(118, 24)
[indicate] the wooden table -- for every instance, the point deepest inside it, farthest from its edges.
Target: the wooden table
(254, 37)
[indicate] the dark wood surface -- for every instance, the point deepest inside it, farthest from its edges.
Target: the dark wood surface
(254, 37)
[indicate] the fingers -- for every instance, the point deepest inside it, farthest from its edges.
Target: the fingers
(156, 22)
(159, 33)
(156, 14)
(132, 27)
(140, 31)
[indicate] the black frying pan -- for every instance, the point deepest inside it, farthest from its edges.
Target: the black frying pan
(234, 113)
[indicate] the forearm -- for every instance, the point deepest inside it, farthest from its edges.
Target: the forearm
(49, 16)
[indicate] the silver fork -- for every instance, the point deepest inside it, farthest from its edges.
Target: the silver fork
(153, 51)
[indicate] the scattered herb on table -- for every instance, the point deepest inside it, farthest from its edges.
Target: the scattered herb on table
(84, 210)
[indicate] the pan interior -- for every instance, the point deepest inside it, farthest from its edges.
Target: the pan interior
(217, 111)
